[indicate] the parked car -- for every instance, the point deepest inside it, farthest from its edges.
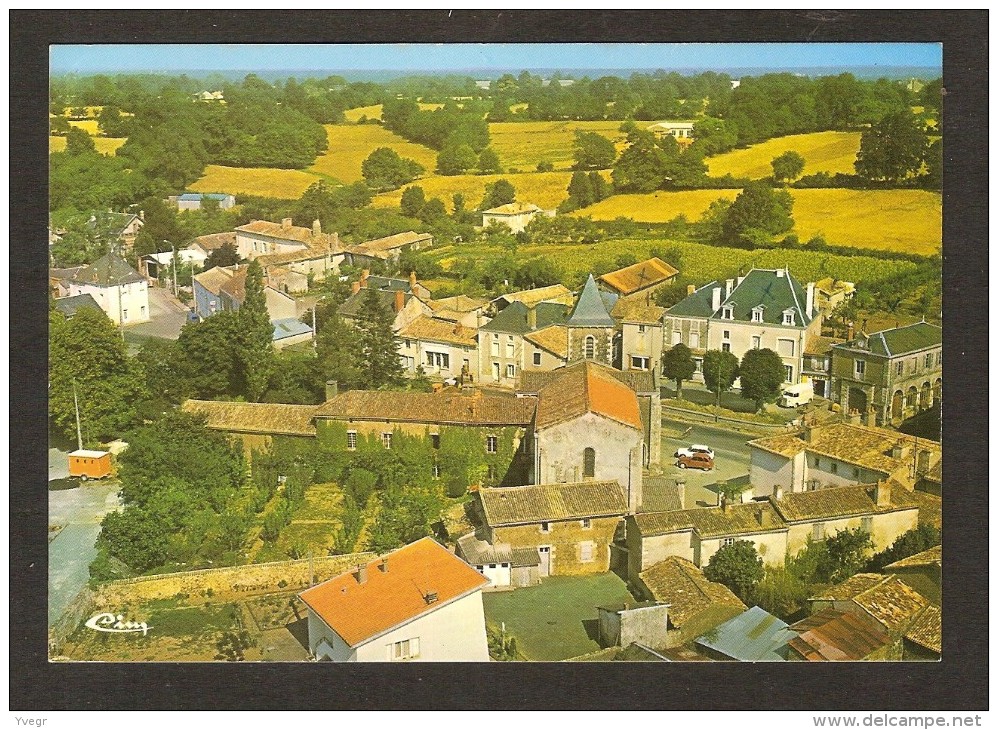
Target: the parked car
(695, 461)
(695, 449)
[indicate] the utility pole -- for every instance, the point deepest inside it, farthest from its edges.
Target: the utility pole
(717, 410)
(76, 406)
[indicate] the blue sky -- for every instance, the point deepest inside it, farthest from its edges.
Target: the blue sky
(412, 57)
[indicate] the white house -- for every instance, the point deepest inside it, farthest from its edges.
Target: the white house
(119, 289)
(678, 129)
(193, 201)
(514, 215)
(418, 603)
(306, 251)
(444, 349)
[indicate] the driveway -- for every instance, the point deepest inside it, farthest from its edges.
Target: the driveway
(166, 316)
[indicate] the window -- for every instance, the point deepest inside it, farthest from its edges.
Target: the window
(928, 360)
(694, 340)
(698, 364)
(757, 314)
(939, 358)
(788, 317)
(859, 369)
(726, 334)
(142, 312)
(866, 525)
(545, 527)
(590, 348)
(855, 472)
(491, 444)
(833, 468)
(435, 440)
(386, 440)
(817, 463)
(351, 440)
(588, 463)
(641, 329)
(438, 360)
(639, 363)
(725, 347)
(495, 371)
(727, 541)
(818, 531)
(510, 370)
(756, 342)
(537, 358)
(510, 349)
(586, 551)
(586, 523)
(492, 565)
(677, 337)
(402, 650)
(495, 345)
(790, 373)
(913, 365)
(785, 347)
(899, 369)
(408, 344)
(124, 315)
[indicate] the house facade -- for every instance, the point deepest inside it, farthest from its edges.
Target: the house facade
(503, 351)
(442, 349)
(117, 288)
(307, 251)
(418, 603)
(641, 334)
(223, 289)
(515, 216)
(817, 365)
(387, 249)
(890, 375)
(193, 201)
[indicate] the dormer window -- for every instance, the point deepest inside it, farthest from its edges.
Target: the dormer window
(788, 317)
(727, 312)
(757, 314)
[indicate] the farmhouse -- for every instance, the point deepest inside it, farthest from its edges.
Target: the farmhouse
(442, 349)
(643, 278)
(681, 131)
(387, 249)
(193, 201)
(307, 251)
(212, 242)
(505, 350)
(418, 603)
(514, 216)
(117, 288)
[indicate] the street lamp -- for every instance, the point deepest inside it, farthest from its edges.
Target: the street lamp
(315, 332)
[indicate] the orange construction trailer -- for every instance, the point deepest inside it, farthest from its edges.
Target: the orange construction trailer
(87, 464)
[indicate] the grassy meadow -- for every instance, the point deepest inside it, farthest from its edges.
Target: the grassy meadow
(522, 145)
(891, 220)
(104, 145)
(829, 152)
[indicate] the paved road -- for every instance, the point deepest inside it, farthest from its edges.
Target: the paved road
(166, 316)
(731, 463)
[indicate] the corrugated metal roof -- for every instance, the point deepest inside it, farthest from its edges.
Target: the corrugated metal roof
(754, 636)
(290, 327)
(831, 635)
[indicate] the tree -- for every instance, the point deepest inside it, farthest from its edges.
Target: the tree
(208, 361)
(593, 151)
(677, 364)
(738, 566)
(893, 149)
(641, 166)
(87, 351)
(413, 200)
(580, 190)
(720, 369)
(762, 376)
(232, 646)
(384, 169)
(934, 165)
(406, 515)
(488, 162)
(224, 255)
(787, 166)
(337, 345)
(848, 551)
(256, 335)
(758, 214)
(378, 343)
(456, 159)
(79, 142)
(911, 542)
(501, 192)
(433, 212)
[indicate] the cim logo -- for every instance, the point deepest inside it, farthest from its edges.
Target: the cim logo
(111, 624)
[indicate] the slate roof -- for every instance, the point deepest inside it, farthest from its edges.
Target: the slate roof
(887, 599)
(354, 304)
(289, 327)
(753, 636)
(513, 319)
(109, 270)
(265, 418)
(927, 629)
(712, 522)
(639, 276)
(359, 612)
(554, 339)
(586, 389)
(831, 635)
(835, 502)
(592, 308)
(552, 502)
(899, 340)
(410, 406)
(774, 290)
(679, 583)
(697, 304)
(637, 311)
(437, 330)
(931, 557)
(71, 305)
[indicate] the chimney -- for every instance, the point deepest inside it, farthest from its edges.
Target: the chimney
(383, 565)
(780, 273)
(316, 228)
(715, 302)
(399, 301)
(729, 284)
(690, 288)
(532, 318)
(850, 332)
(142, 215)
(724, 503)
(898, 450)
(285, 223)
(777, 492)
(810, 299)
(760, 516)
(332, 389)
(412, 279)
(355, 287)
(363, 278)
(361, 574)
(739, 280)
(882, 494)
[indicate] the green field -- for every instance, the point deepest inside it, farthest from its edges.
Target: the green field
(892, 220)
(829, 152)
(522, 145)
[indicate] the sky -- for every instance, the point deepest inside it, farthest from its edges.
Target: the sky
(467, 56)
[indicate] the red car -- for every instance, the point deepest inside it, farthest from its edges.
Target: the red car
(695, 461)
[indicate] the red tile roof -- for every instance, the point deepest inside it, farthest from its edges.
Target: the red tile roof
(639, 276)
(587, 389)
(360, 405)
(359, 612)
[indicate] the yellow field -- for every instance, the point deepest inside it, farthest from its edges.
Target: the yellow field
(829, 152)
(92, 111)
(350, 144)
(522, 145)
(545, 189)
(87, 125)
(265, 181)
(374, 112)
(893, 220)
(104, 145)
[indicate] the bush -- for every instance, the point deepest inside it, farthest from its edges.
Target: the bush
(545, 166)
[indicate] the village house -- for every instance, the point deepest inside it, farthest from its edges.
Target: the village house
(506, 567)
(571, 526)
(681, 131)
(404, 306)
(212, 242)
(504, 352)
(840, 636)
(306, 251)
(837, 454)
(124, 227)
(117, 288)
(417, 603)
(61, 280)
(460, 309)
(696, 605)
(817, 365)
(641, 334)
(157, 265)
(642, 279)
(387, 250)
(753, 636)
(255, 424)
(514, 216)
(890, 375)
(439, 348)
(831, 292)
(766, 308)
(409, 285)
(778, 528)
(922, 571)
(556, 294)
(193, 201)
(69, 306)
(223, 289)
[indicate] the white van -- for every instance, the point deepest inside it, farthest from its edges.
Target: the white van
(796, 395)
